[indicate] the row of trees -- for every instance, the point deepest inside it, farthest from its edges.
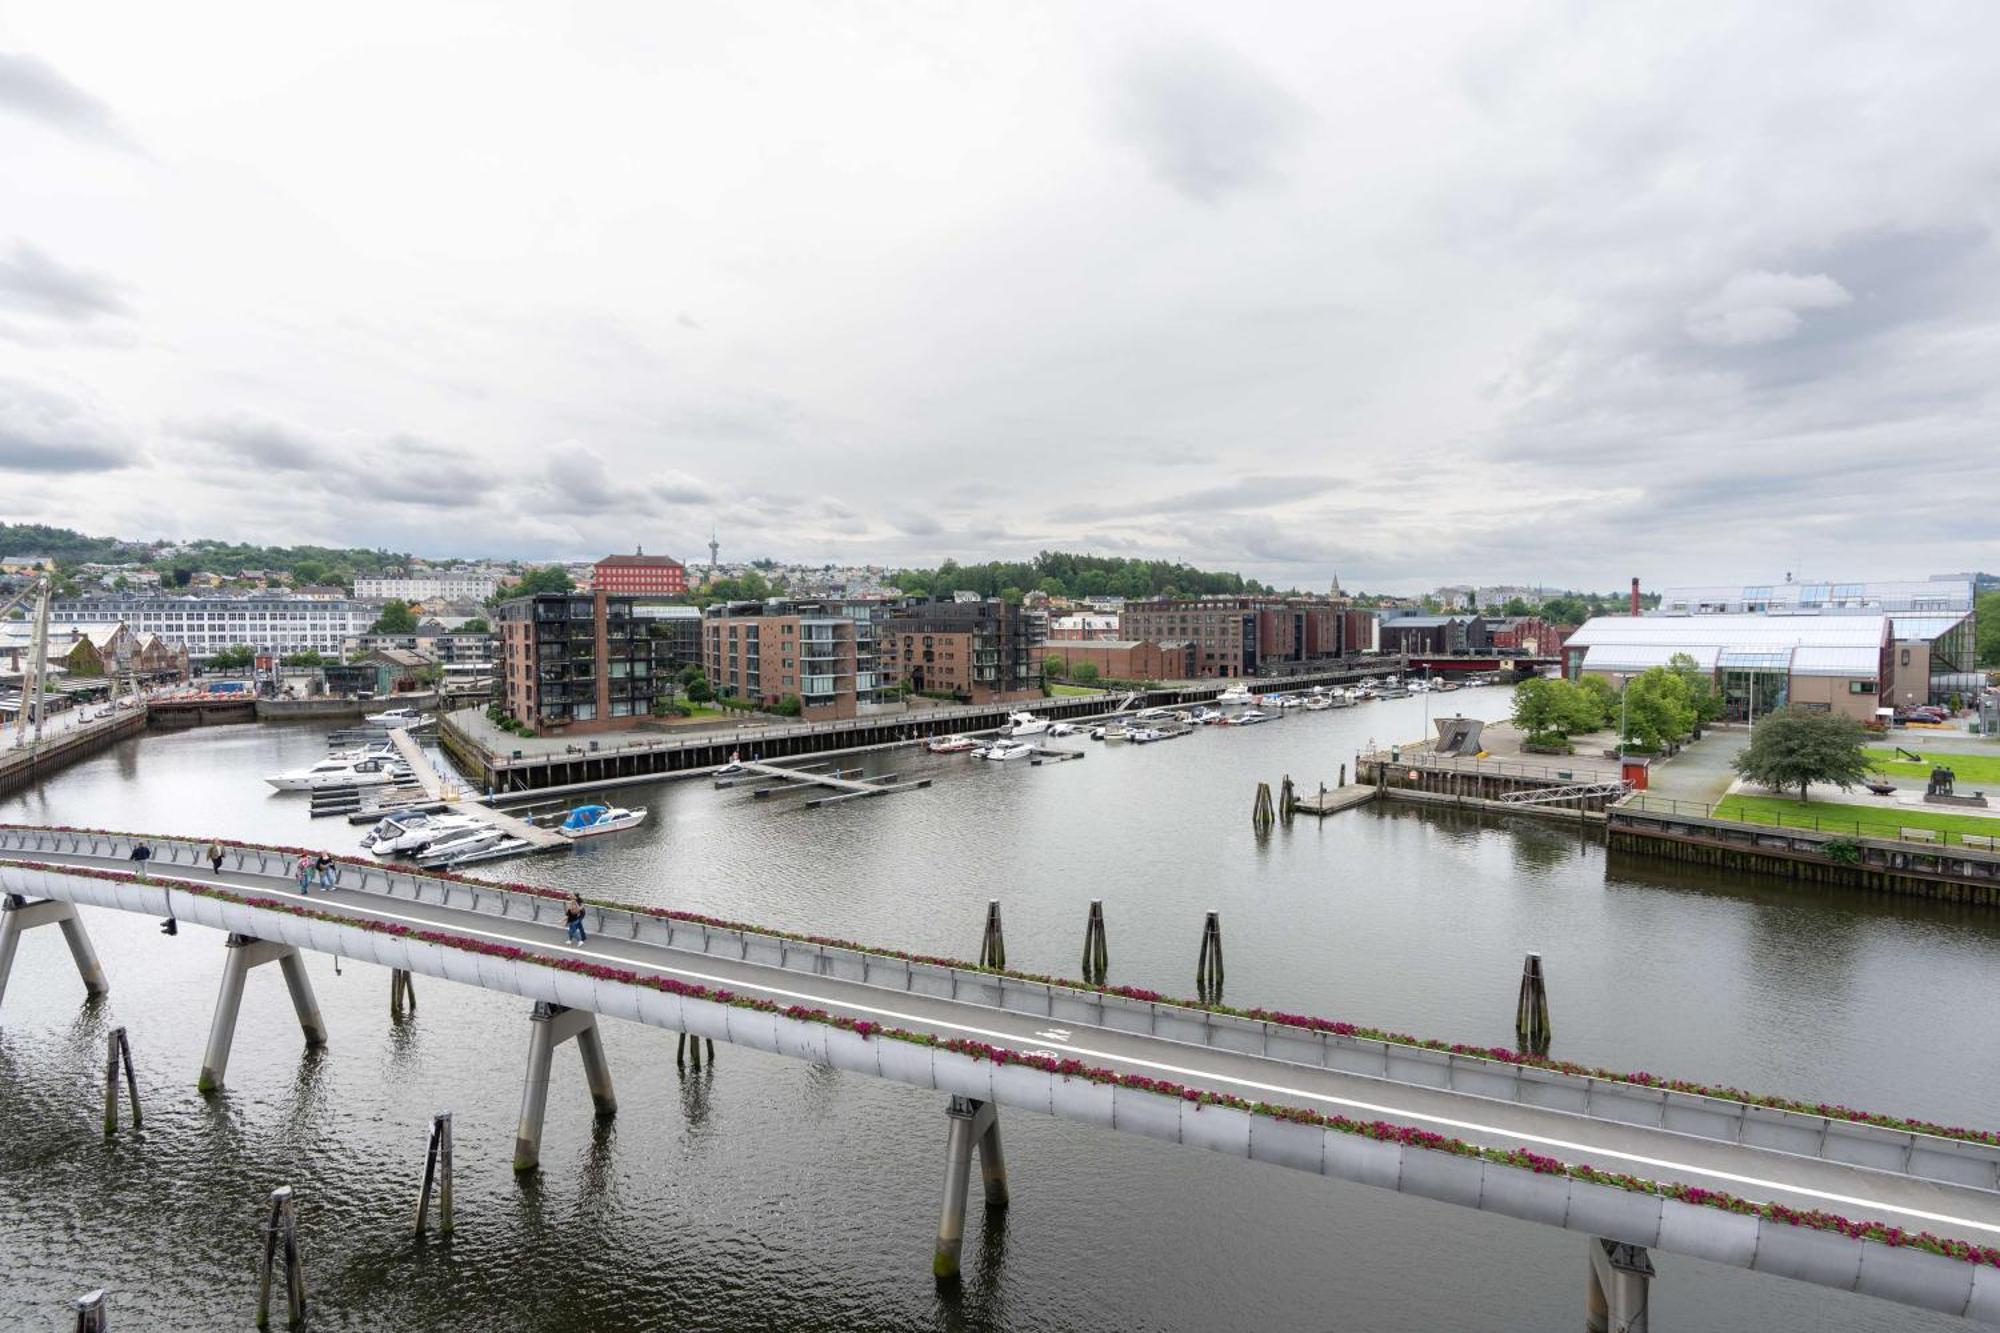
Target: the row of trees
(1057, 667)
(1659, 706)
(1063, 574)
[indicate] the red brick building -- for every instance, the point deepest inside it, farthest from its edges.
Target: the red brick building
(639, 575)
(1128, 659)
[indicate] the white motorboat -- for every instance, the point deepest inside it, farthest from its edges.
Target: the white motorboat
(1319, 703)
(1285, 701)
(1024, 724)
(1202, 717)
(398, 717)
(1142, 735)
(452, 846)
(374, 771)
(1061, 729)
(1369, 682)
(492, 851)
(1250, 718)
(951, 744)
(414, 832)
(1235, 694)
(587, 821)
(1004, 750)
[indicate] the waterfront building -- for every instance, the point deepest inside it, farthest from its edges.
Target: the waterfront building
(1839, 663)
(676, 631)
(1436, 635)
(1127, 659)
(1251, 635)
(976, 650)
(1531, 636)
(821, 653)
(435, 586)
(639, 575)
(1084, 625)
(1934, 622)
(205, 624)
(574, 662)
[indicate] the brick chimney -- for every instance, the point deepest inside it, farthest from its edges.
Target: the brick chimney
(1635, 596)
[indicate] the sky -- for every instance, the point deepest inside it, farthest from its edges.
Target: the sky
(1554, 293)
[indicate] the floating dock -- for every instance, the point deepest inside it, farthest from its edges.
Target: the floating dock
(1333, 800)
(817, 775)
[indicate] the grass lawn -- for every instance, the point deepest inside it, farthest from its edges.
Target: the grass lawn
(1974, 770)
(1833, 817)
(1065, 691)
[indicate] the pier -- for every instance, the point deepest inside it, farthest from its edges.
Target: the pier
(845, 788)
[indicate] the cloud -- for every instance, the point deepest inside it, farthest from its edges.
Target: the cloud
(31, 87)
(1762, 307)
(33, 282)
(47, 432)
(916, 524)
(259, 443)
(1207, 121)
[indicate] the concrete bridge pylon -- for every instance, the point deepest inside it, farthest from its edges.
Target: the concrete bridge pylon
(240, 954)
(18, 915)
(549, 1026)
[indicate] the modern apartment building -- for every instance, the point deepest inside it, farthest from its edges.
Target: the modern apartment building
(442, 586)
(1251, 635)
(1436, 634)
(639, 575)
(824, 653)
(676, 633)
(205, 624)
(574, 663)
(977, 651)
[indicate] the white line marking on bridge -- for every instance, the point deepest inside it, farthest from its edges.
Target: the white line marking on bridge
(1200, 1076)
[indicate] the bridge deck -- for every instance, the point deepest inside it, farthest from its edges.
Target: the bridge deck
(534, 923)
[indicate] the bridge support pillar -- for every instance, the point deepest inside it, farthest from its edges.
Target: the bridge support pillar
(240, 954)
(549, 1026)
(968, 1123)
(1621, 1280)
(18, 915)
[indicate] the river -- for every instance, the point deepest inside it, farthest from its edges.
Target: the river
(768, 1194)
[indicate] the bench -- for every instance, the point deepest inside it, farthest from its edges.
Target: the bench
(1918, 835)
(1985, 842)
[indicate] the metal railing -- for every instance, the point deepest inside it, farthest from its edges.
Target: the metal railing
(1417, 756)
(1806, 821)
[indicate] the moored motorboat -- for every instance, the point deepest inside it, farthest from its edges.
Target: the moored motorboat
(1319, 703)
(587, 821)
(417, 836)
(1024, 724)
(464, 842)
(1004, 750)
(373, 771)
(398, 717)
(1235, 694)
(1250, 718)
(951, 744)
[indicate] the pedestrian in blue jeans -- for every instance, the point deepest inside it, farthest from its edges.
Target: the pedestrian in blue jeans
(573, 918)
(305, 871)
(329, 870)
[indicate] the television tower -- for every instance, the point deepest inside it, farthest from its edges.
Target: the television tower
(714, 549)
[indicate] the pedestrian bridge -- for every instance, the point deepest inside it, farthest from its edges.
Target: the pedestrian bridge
(1467, 1130)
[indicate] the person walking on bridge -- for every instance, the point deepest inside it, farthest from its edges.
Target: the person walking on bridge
(329, 869)
(215, 857)
(573, 914)
(304, 869)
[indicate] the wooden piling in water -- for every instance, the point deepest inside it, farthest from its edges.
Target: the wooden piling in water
(1343, 775)
(281, 1245)
(1261, 817)
(1096, 954)
(117, 1054)
(689, 1048)
(1287, 798)
(993, 945)
(1531, 1012)
(402, 989)
(1208, 967)
(437, 1171)
(91, 1314)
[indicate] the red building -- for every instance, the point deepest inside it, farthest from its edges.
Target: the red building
(639, 575)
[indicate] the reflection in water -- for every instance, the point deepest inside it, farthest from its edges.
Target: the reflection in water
(812, 1202)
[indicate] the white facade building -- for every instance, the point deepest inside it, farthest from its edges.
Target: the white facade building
(206, 624)
(440, 586)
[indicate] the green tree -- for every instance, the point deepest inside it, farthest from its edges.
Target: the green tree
(699, 690)
(476, 625)
(1700, 687)
(396, 618)
(1987, 611)
(1517, 607)
(1796, 748)
(233, 658)
(1550, 709)
(308, 571)
(309, 658)
(1084, 673)
(1656, 708)
(1055, 665)
(789, 706)
(1604, 696)
(546, 578)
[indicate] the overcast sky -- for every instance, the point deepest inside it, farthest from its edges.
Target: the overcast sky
(1498, 293)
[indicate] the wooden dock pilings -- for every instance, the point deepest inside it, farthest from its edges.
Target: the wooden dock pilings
(688, 1050)
(1096, 954)
(992, 944)
(117, 1055)
(1208, 967)
(437, 1172)
(1287, 799)
(1261, 817)
(401, 988)
(1531, 1011)
(92, 1314)
(281, 1246)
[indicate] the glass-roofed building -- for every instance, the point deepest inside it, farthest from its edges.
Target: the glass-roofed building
(1931, 621)
(1840, 663)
